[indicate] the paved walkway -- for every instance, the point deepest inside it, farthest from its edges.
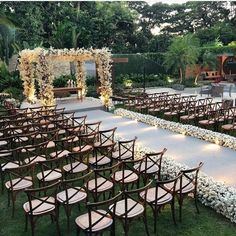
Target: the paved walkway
(219, 162)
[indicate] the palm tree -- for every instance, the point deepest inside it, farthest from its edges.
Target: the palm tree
(183, 51)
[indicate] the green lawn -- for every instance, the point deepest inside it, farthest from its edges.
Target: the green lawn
(207, 223)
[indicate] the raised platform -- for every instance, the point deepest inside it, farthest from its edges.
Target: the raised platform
(72, 104)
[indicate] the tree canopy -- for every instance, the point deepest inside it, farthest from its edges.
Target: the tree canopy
(125, 27)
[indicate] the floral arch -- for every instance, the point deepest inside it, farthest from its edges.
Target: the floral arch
(37, 65)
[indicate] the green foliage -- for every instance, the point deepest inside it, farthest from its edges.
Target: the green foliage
(62, 81)
(136, 63)
(138, 80)
(15, 93)
(8, 79)
(183, 51)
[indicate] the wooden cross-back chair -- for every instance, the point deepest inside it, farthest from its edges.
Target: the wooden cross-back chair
(76, 163)
(159, 195)
(50, 170)
(186, 184)
(73, 192)
(103, 182)
(151, 166)
(106, 137)
(131, 207)
(19, 178)
(102, 155)
(41, 202)
(9, 158)
(125, 150)
(99, 217)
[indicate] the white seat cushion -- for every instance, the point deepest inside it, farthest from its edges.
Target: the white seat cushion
(83, 221)
(85, 148)
(187, 185)
(75, 167)
(101, 160)
(59, 154)
(39, 207)
(106, 143)
(148, 167)
(137, 208)
(129, 176)
(162, 196)
(9, 165)
(51, 144)
(102, 183)
(19, 184)
(50, 175)
(35, 159)
(74, 195)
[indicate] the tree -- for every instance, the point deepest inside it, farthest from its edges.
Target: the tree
(208, 59)
(183, 51)
(7, 37)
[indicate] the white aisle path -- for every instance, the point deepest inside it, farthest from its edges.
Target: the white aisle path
(219, 162)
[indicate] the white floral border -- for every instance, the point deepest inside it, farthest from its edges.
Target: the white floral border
(190, 130)
(211, 193)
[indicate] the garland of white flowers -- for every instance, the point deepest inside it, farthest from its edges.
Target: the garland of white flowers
(27, 75)
(103, 63)
(190, 130)
(81, 78)
(211, 193)
(43, 60)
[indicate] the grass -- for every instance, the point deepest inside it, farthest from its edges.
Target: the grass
(206, 223)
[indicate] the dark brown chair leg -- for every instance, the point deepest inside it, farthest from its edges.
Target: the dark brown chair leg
(173, 210)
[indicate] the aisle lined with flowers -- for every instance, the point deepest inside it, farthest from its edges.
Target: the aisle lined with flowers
(183, 152)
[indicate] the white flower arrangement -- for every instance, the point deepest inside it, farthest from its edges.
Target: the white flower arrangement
(210, 193)
(190, 130)
(37, 64)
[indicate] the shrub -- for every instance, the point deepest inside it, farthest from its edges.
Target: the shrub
(15, 93)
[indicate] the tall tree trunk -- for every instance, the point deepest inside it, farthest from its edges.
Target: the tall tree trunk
(196, 78)
(181, 75)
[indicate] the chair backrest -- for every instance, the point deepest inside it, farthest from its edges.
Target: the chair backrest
(19, 174)
(101, 152)
(134, 195)
(162, 191)
(50, 166)
(106, 174)
(190, 176)
(33, 152)
(126, 149)
(92, 127)
(154, 159)
(79, 121)
(76, 185)
(107, 136)
(39, 196)
(103, 209)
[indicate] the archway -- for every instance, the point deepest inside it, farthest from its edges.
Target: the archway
(36, 65)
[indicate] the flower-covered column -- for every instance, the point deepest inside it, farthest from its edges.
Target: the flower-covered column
(103, 61)
(81, 79)
(27, 74)
(45, 80)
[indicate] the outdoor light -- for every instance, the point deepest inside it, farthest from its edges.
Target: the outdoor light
(217, 141)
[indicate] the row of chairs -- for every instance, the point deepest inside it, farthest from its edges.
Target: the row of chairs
(97, 182)
(85, 166)
(187, 109)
